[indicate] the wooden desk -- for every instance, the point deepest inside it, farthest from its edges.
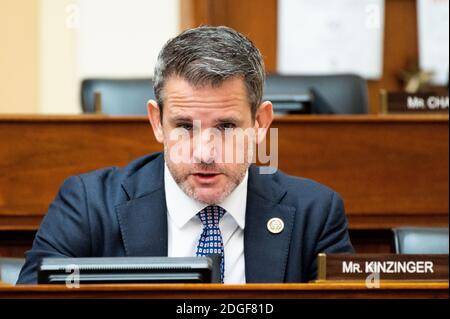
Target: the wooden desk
(391, 170)
(251, 291)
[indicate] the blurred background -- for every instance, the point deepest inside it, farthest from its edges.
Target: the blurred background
(48, 47)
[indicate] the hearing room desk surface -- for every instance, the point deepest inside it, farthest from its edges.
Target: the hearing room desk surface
(322, 290)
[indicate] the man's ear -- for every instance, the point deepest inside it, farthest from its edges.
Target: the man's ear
(263, 120)
(154, 116)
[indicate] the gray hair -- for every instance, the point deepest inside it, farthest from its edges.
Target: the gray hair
(210, 56)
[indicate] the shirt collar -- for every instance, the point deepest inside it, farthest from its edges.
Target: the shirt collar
(182, 208)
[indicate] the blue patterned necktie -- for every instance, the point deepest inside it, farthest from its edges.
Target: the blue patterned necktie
(211, 238)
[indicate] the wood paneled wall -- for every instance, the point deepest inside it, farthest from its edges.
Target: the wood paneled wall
(258, 19)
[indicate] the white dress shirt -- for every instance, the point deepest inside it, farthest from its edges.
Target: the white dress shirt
(185, 228)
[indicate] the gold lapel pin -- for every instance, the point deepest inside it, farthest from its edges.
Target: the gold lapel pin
(275, 225)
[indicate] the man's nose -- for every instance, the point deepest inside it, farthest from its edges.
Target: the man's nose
(204, 148)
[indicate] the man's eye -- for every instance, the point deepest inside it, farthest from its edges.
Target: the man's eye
(185, 126)
(227, 126)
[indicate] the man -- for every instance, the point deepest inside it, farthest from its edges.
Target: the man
(266, 227)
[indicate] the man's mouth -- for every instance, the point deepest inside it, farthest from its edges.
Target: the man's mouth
(206, 177)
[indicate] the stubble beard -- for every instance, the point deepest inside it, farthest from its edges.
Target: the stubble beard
(234, 179)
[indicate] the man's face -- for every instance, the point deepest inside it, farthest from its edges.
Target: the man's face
(206, 174)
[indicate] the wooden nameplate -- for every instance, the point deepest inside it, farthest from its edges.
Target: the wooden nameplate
(392, 267)
(401, 102)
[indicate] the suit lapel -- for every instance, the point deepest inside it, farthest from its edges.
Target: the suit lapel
(266, 254)
(143, 219)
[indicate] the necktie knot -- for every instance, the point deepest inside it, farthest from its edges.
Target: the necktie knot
(211, 215)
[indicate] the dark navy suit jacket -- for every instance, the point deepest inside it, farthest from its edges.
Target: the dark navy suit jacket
(122, 212)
